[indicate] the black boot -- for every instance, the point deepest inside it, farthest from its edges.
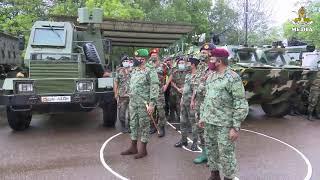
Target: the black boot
(181, 143)
(194, 146)
(215, 175)
(162, 132)
(152, 130)
(226, 178)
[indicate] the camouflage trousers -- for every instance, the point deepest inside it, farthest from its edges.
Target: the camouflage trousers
(200, 131)
(187, 117)
(161, 111)
(123, 107)
(139, 122)
(175, 105)
(313, 99)
(220, 150)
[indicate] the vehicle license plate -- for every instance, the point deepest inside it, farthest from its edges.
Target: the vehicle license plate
(47, 99)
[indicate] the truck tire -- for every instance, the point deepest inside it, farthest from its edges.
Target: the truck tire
(276, 110)
(19, 121)
(109, 113)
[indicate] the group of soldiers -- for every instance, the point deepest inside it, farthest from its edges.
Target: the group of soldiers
(204, 93)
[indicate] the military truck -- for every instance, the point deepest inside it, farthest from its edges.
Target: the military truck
(268, 78)
(10, 60)
(65, 72)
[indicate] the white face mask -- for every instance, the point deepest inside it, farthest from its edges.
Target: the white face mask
(130, 64)
(125, 64)
(181, 66)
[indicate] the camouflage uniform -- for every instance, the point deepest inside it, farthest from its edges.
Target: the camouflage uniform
(314, 94)
(122, 79)
(187, 114)
(144, 87)
(178, 77)
(224, 107)
(161, 100)
(202, 70)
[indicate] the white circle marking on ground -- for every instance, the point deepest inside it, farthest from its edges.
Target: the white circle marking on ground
(105, 165)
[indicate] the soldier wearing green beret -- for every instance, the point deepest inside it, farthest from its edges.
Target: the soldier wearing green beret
(143, 90)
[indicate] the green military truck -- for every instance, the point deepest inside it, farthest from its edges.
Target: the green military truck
(65, 69)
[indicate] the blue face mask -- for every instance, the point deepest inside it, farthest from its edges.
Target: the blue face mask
(126, 64)
(181, 66)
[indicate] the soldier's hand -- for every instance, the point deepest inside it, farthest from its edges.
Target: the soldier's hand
(233, 135)
(180, 90)
(164, 88)
(150, 109)
(201, 124)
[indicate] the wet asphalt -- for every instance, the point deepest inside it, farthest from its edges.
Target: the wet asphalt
(67, 146)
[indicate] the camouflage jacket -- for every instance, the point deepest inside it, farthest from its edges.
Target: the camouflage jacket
(202, 70)
(143, 87)
(122, 79)
(178, 77)
(187, 90)
(224, 103)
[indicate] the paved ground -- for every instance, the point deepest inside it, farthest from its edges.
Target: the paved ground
(67, 147)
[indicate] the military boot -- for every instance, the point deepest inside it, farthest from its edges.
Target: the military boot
(226, 178)
(215, 175)
(152, 130)
(194, 146)
(132, 149)
(142, 151)
(202, 158)
(162, 131)
(182, 142)
(310, 117)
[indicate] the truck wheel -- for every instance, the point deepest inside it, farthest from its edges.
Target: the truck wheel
(18, 121)
(110, 113)
(276, 110)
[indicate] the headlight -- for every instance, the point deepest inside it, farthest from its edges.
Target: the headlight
(85, 86)
(24, 87)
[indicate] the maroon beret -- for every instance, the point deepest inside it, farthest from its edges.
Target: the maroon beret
(219, 52)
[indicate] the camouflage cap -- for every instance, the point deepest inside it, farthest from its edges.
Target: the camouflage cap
(141, 53)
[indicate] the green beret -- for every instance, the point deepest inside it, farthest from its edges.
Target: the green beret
(141, 53)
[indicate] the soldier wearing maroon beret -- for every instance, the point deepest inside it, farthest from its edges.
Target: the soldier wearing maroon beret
(222, 111)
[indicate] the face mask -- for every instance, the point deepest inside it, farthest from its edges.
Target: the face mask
(212, 66)
(159, 70)
(130, 64)
(136, 63)
(125, 64)
(181, 66)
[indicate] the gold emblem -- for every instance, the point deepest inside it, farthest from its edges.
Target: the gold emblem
(136, 53)
(206, 46)
(302, 17)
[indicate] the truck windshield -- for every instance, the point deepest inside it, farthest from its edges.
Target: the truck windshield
(275, 58)
(49, 37)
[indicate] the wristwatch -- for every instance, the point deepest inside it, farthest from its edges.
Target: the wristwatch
(236, 129)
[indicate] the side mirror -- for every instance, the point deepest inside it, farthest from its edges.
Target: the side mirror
(21, 42)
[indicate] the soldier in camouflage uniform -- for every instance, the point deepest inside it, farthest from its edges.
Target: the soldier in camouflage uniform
(176, 79)
(223, 110)
(188, 114)
(314, 96)
(198, 97)
(121, 86)
(143, 90)
(159, 67)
